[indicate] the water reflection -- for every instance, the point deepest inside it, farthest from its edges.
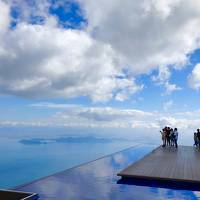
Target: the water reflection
(98, 180)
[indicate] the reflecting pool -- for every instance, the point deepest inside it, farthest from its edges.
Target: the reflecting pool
(98, 180)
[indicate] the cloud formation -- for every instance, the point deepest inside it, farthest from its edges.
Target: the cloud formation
(45, 60)
(107, 122)
(147, 34)
(167, 105)
(194, 77)
(40, 58)
(70, 115)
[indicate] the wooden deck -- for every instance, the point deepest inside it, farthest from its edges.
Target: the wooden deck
(170, 164)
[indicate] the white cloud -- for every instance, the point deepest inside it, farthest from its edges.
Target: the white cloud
(107, 121)
(15, 123)
(4, 17)
(169, 88)
(163, 79)
(126, 87)
(184, 124)
(70, 115)
(51, 61)
(110, 114)
(163, 75)
(190, 115)
(167, 105)
(50, 105)
(102, 117)
(194, 77)
(147, 34)
(62, 67)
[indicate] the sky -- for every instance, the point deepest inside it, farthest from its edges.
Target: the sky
(100, 64)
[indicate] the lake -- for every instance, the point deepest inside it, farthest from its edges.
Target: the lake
(28, 155)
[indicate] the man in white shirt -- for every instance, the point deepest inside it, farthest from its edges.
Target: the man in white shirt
(176, 137)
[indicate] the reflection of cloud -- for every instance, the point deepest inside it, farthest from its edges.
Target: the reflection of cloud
(98, 180)
(197, 194)
(54, 186)
(119, 158)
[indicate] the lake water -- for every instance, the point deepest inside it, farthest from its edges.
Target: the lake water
(26, 157)
(27, 154)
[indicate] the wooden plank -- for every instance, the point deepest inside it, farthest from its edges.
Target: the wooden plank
(181, 164)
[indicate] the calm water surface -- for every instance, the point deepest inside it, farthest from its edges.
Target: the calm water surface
(23, 160)
(99, 180)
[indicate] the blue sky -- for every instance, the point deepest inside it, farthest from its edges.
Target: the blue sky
(80, 63)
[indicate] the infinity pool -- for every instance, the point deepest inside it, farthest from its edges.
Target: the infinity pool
(98, 180)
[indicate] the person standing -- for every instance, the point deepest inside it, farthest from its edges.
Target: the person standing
(195, 140)
(198, 138)
(176, 137)
(163, 134)
(168, 136)
(172, 137)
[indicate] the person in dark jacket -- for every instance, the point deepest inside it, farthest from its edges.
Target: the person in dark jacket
(195, 139)
(172, 137)
(198, 137)
(168, 136)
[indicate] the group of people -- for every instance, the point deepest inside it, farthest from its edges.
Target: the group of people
(197, 138)
(169, 136)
